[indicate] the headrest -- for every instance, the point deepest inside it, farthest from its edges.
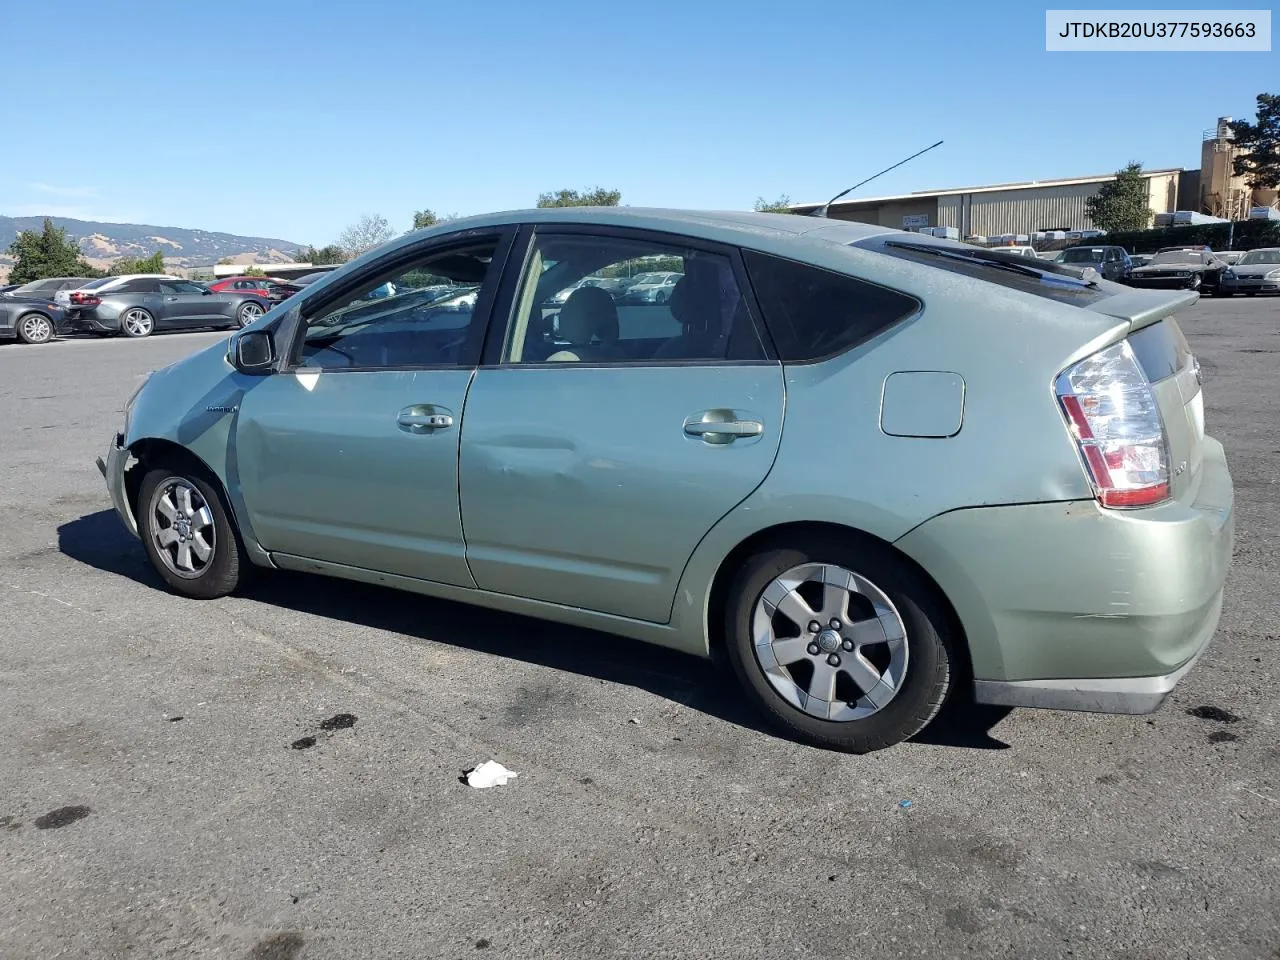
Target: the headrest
(589, 312)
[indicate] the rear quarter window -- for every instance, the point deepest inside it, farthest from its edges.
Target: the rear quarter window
(813, 314)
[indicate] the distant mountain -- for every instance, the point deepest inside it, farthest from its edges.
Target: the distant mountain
(103, 242)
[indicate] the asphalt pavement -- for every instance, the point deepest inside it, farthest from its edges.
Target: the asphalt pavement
(275, 776)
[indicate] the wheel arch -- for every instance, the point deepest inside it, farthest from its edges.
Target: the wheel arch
(785, 534)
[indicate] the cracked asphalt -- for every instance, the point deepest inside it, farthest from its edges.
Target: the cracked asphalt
(275, 776)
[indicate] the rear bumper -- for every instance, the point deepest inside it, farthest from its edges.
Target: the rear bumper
(88, 320)
(1072, 607)
(112, 469)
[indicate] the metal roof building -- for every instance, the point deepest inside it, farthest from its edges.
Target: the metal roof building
(1006, 208)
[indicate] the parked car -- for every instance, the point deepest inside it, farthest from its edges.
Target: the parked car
(1229, 257)
(1185, 269)
(55, 288)
(1013, 448)
(652, 287)
(1017, 251)
(268, 288)
(77, 296)
(1258, 271)
(1139, 259)
(1111, 262)
(142, 305)
(30, 319)
(5, 288)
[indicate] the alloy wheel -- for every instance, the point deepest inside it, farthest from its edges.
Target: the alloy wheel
(137, 323)
(36, 329)
(830, 642)
(182, 528)
(250, 312)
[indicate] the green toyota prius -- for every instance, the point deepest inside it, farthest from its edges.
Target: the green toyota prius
(870, 467)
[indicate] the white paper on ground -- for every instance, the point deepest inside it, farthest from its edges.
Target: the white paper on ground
(490, 774)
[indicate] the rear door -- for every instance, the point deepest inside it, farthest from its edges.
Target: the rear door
(602, 439)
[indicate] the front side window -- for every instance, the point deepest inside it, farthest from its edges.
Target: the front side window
(181, 286)
(419, 316)
(612, 299)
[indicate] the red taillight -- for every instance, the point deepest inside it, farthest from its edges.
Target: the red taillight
(85, 300)
(1114, 419)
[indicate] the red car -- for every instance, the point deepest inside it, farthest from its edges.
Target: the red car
(274, 290)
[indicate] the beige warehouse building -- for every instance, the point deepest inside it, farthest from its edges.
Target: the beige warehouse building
(1026, 207)
(1041, 205)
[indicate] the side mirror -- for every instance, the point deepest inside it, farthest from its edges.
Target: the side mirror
(254, 351)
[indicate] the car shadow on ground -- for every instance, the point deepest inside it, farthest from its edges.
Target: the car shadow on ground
(100, 541)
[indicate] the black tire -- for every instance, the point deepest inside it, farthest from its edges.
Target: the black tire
(35, 327)
(930, 638)
(228, 563)
(142, 330)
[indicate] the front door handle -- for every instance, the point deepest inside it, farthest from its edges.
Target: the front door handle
(432, 420)
(424, 418)
(721, 426)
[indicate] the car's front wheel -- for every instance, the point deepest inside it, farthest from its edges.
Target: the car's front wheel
(35, 328)
(840, 642)
(136, 322)
(188, 534)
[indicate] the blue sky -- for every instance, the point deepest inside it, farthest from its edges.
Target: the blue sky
(291, 120)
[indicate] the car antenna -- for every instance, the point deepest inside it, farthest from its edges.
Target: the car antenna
(822, 210)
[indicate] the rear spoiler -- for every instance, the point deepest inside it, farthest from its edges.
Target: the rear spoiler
(1142, 308)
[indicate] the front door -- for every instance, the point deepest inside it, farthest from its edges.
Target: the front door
(188, 304)
(351, 454)
(607, 437)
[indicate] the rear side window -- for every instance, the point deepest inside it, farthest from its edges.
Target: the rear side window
(814, 313)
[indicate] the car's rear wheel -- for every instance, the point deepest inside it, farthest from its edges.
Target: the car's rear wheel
(137, 322)
(35, 328)
(188, 534)
(248, 312)
(840, 642)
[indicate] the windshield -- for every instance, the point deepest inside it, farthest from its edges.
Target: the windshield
(94, 284)
(35, 286)
(1082, 255)
(1184, 257)
(1260, 256)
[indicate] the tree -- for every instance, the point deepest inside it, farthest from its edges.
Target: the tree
(781, 205)
(151, 264)
(424, 218)
(1121, 204)
(253, 270)
(45, 254)
(322, 257)
(599, 197)
(371, 230)
(1259, 161)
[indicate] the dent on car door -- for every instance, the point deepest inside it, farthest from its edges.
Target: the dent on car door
(603, 439)
(349, 454)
